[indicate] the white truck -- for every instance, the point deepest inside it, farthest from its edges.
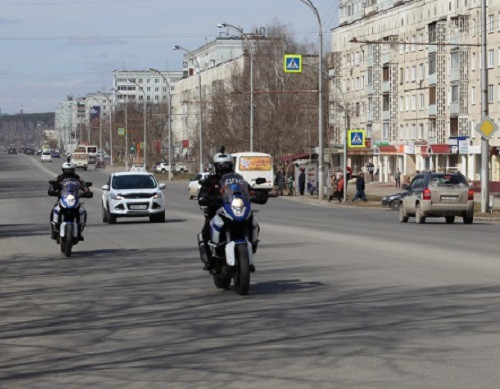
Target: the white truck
(253, 165)
(80, 159)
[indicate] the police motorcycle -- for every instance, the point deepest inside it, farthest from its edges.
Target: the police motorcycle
(234, 235)
(68, 213)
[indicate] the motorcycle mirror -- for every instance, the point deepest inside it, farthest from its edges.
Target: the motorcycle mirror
(88, 184)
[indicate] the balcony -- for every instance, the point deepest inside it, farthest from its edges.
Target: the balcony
(432, 109)
(432, 79)
(454, 75)
(369, 89)
(454, 108)
(386, 115)
(432, 48)
(369, 116)
(386, 58)
(386, 86)
(369, 62)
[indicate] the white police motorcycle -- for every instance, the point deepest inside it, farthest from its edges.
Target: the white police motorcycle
(67, 214)
(234, 235)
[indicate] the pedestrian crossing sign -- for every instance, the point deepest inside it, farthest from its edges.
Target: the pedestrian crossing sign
(356, 139)
(292, 63)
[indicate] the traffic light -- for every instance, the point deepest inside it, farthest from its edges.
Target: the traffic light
(132, 148)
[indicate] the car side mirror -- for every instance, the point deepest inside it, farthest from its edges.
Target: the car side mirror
(105, 187)
(162, 186)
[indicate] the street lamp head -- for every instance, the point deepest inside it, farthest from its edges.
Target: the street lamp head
(176, 47)
(221, 25)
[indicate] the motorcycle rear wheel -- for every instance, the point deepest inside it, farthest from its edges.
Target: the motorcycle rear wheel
(67, 242)
(242, 270)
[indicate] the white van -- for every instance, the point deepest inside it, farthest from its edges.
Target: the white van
(253, 165)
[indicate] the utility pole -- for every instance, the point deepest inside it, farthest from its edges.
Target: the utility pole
(485, 180)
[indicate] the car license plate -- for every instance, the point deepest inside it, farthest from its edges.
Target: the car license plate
(449, 198)
(140, 206)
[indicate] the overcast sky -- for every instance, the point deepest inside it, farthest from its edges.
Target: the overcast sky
(54, 48)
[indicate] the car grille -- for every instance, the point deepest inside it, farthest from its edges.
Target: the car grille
(138, 195)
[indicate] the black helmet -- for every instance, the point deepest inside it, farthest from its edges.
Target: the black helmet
(223, 162)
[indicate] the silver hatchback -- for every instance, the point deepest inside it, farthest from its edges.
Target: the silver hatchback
(438, 195)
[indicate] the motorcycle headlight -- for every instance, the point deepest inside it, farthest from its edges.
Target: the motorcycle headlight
(70, 200)
(238, 206)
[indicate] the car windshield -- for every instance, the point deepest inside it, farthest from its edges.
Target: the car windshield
(448, 181)
(134, 181)
(232, 184)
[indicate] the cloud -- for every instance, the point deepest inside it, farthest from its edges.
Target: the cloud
(94, 40)
(4, 21)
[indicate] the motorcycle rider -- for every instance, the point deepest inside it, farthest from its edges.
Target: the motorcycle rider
(68, 171)
(209, 196)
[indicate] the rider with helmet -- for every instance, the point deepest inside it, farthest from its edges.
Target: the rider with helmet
(68, 171)
(209, 196)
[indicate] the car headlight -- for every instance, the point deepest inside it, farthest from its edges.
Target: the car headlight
(238, 206)
(116, 196)
(158, 195)
(70, 200)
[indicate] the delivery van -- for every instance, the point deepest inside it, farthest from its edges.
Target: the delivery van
(253, 165)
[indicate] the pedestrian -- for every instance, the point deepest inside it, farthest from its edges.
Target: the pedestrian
(397, 178)
(370, 167)
(360, 188)
(339, 191)
(333, 186)
(290, 184)
(302, 181)
(280, 181)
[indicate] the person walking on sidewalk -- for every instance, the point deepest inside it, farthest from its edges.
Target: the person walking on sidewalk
(302, 181)
(360, 188)
(339, 191)
(333, 186)
(397, 178)
(290, 184)
(280, 181)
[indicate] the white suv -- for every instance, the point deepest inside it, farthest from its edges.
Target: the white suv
(133, 194)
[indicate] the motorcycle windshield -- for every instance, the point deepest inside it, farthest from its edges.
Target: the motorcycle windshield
(232, 185)
(70, 186)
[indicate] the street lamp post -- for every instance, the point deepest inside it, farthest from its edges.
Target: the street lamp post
(321, 178)
(177, 47)
(169, 121)
(144, 115)
(247, 39)
(110, 127)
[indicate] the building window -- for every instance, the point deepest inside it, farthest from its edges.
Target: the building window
(473, 95)
(413, 131)
(157, 98)
(432, 95)
(401, 75)
(148, 89)
(422, 101)
(385, 130)
(407, 103)
(157, 80)
(421, 131)
(407, 75)
(421, 69)
(491, 95)
(498, 92)
(454, 60)
(454, 93)
(370, 77)
(414, 102)
(401, 103)
(432, 63)
(491, 58)
(491, 23)
(141, 97)
(473, 61)
(413, 73)
(401, 132)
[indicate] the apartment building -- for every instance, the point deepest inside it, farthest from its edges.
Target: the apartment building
(411, 72)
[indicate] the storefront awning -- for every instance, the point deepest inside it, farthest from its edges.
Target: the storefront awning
(439, 149)
(390, 149)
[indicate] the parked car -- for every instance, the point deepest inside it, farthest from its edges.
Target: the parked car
(394, 201)
(12, 150)
(46, 156)
(162, 167)
(438, 195)
(194, 184)
(29, 151)
(133, 194)
(137, 168)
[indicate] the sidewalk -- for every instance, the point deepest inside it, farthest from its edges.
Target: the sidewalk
(374, 192)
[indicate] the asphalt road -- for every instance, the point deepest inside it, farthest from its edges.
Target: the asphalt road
(342, 297)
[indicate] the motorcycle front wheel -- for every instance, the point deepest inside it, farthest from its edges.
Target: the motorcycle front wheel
(242, 270)
(67, 242)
